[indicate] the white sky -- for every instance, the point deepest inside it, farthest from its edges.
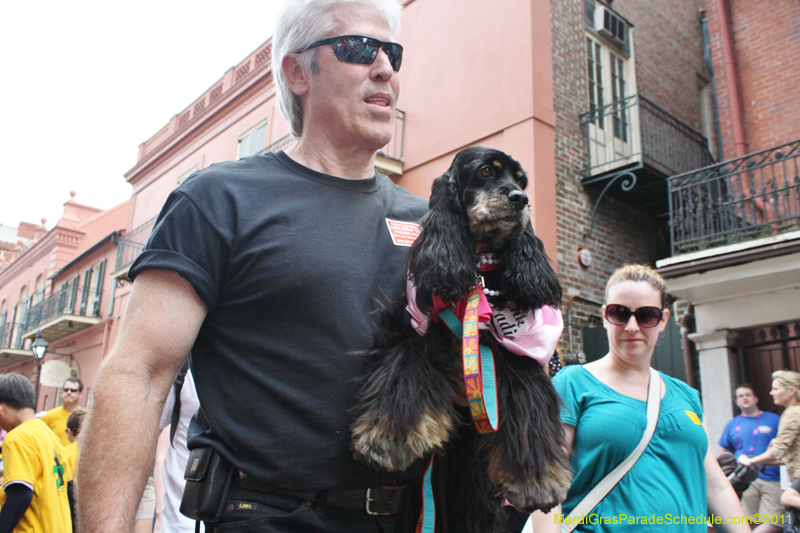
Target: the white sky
(83, 83)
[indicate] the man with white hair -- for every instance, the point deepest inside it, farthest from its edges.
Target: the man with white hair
(269, 270)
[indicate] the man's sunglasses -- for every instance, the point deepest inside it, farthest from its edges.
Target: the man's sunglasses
(360, 50)
(646, 317)
(67, 389)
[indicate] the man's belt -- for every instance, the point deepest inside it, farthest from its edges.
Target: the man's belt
(374, 501)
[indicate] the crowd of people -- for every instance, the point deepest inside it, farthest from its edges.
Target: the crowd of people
(269, 271)
(39, 457)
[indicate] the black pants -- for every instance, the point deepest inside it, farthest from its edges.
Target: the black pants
(253, 511)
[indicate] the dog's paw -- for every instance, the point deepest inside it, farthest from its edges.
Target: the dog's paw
(542, 492)
(375, 443)
(377, 440)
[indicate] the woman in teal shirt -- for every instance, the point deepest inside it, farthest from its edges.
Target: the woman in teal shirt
(676, 482)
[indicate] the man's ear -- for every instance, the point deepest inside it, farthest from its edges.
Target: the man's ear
(295, 75)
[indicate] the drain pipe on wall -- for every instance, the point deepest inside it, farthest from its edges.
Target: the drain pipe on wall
(726, 33)
(687, 326)
(720, 154)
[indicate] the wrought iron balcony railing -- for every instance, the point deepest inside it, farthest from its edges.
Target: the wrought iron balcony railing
(283, 143)
(130, 245)
(11, 336)
(71, 299)
(747, 198)
(635, 130)
(393, 150)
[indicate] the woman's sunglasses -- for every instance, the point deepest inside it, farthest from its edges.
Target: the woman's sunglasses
(360, 50)
(646, 317)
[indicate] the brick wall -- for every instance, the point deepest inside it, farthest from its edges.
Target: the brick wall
(766, 40)
(668, 64)
(668, 45)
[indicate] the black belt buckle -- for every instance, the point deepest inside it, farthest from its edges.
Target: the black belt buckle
(369, 500)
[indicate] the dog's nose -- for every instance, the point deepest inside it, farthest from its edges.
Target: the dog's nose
(518, 198)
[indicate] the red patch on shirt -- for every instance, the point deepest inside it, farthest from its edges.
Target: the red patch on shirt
(403, 233)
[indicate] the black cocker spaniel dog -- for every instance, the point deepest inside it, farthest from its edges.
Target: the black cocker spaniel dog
(477, 231)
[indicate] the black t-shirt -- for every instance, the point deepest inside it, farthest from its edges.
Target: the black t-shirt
(292, 265)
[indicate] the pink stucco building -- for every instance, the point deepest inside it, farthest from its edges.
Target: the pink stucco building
(55, 282)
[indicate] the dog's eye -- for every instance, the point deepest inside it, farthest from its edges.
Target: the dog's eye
(485, 171)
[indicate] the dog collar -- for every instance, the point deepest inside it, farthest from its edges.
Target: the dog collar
(489, 261)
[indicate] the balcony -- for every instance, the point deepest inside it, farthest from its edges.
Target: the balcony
(388, 160)
(130, 246)
(636, 140)
(71, 309)
(753, 197)
(11, 344)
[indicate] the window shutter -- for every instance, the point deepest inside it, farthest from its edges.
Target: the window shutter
(253, 142)
(101, 269)
(5, 330)
(87, 280)
(69, 292)
(23, 319)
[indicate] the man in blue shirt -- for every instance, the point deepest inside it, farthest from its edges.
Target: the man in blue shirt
(750, 433)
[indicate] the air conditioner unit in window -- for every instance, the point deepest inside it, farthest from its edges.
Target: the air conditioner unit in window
(610, 25)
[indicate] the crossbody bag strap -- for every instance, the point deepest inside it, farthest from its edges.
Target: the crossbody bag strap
(605, 485)
(600, 490)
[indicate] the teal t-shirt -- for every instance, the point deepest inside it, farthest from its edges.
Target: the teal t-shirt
(665, 490)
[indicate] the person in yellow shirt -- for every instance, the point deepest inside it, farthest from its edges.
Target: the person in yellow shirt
(37, 484)
(74, 423)
(57, 418)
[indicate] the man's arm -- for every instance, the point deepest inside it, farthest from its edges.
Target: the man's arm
(118, 441)
(721, 498)
(791, 498)
(71, 498)
(18, 499)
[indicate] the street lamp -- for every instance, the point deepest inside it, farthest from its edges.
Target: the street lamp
(38, 347)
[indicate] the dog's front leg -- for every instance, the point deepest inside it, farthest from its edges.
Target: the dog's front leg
(405, 408)
(527, 456)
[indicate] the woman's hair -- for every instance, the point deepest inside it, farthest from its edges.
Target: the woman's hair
(302, 22)
(788, 379)
(639, 273)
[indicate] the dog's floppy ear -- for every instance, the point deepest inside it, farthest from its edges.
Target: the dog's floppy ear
(443, 259)
(528, 279)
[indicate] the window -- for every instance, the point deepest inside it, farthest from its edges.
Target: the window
(595, 55)
(185, 175)
(608, 83)
(38, 296)
(617, 95)
(92, 289)
(253, 141)
(20, 315)
(612, 120)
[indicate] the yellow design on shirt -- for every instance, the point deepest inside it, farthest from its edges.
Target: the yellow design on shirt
(693, 417)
